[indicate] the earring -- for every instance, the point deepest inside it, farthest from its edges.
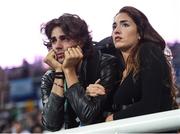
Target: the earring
(139, 37)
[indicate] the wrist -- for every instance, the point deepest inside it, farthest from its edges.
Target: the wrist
(70, 76)
(58, 70)
(69, 70)
(59, 75)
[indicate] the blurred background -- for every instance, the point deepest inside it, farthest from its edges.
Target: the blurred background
(22, 50)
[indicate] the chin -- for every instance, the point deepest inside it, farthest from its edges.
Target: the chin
(118, 46)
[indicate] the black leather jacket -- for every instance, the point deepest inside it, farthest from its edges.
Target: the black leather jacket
(88, 109)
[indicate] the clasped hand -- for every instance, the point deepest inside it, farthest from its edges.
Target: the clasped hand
(95, 89)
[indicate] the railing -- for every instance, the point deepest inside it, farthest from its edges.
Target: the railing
(158, 122)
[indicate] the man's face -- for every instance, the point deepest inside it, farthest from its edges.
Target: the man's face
(60, 43)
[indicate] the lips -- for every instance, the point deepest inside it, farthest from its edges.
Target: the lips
(118, 38)
(60, 55)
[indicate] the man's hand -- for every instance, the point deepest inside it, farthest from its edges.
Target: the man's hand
(51, 60)
(73, 57)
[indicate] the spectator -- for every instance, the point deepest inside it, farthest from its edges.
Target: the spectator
(75, 65)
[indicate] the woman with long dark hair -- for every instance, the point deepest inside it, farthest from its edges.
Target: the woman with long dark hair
(146, 82)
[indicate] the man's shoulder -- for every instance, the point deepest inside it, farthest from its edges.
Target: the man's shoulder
(108, 57)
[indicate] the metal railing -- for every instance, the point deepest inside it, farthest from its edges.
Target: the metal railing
(157, 122)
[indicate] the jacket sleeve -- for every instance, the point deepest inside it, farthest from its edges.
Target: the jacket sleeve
(53, 105)
(89, 108)
(153, 68)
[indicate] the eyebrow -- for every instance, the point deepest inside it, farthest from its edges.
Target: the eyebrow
(122, 21)
(53, 37)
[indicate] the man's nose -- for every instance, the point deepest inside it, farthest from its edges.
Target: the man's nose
(59, 44)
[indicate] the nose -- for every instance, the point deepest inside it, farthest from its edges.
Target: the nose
(58, 44)
(117, 30)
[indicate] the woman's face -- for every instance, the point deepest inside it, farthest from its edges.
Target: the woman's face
(125, 34)
(60, 43)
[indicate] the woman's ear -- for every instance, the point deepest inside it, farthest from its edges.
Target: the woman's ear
(139, 38)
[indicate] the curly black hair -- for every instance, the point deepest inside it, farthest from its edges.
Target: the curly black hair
(72, 26)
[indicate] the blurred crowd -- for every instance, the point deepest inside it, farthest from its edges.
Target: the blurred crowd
(22, 116)
(21, 121)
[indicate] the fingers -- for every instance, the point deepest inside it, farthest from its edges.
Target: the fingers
(96, 86)
(49, 56)
(50, 60)
(79, 49)
(95, 90)
(73, 57)
(92, 94)
(74, 52)
(98, 80)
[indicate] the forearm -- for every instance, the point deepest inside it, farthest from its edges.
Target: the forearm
(58, 84)
(86, 108)
(53, 104)
(58, 88)
(53, 113)
(71, 77)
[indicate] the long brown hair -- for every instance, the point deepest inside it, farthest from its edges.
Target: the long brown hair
(147, 34)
